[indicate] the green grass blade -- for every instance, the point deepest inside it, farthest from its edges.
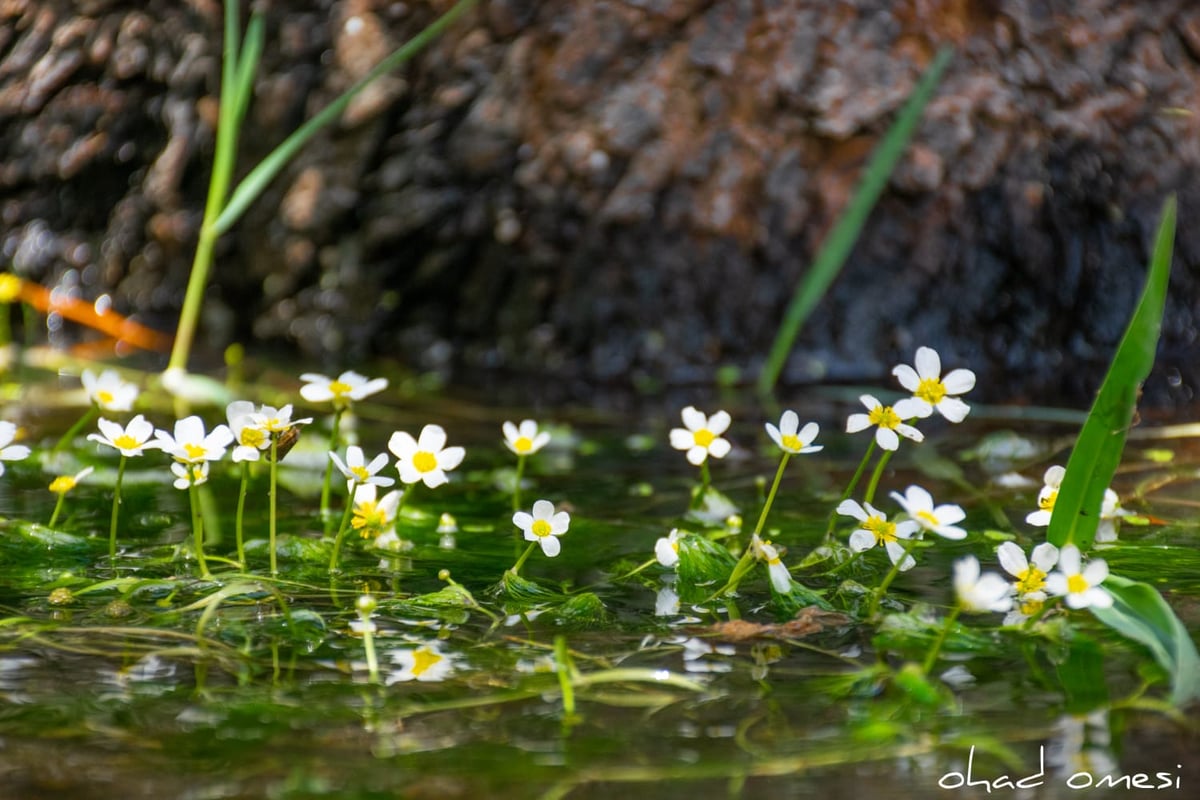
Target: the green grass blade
(1097, 452)
(1140, 613)
(261, 176)
(845, 233)
(247, 68)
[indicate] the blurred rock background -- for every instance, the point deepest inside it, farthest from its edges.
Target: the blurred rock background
(626, 191)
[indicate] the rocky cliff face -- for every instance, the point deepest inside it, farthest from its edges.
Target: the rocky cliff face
(626, 190)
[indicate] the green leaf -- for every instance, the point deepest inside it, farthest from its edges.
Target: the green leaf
(836, 248)
(1097, 452)
(1140, 613)
(1082, 676)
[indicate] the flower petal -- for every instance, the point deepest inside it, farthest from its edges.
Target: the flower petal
(907, 376)
(719, 448)
(693, 420)
(432, 438)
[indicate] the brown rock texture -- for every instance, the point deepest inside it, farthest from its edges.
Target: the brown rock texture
(627, 190)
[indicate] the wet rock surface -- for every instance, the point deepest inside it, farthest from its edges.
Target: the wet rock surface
(626, 191)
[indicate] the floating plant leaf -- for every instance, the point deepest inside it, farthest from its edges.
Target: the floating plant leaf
(584, 610)
(524, 594)
(798, 597)
(703, 566)
(1140, 613)
(1097, 452)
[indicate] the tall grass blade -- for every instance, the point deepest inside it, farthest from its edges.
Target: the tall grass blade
(261, 176)
(1097, 452)
(845, 233)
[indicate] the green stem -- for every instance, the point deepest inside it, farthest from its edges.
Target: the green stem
(74, 430)
(891, 576)
(762, 518)
(369, 649)
(931, 656)
(869, 497)
(341, 532)
(274, 471)
(400, 507)
(702, 490)
(858, 473)
(112, 530)
(517, 483)
(62, 496)
(744, 564)
(325, 487)
(516, 568)
(564, 666)
(241, 507)
(197, 526)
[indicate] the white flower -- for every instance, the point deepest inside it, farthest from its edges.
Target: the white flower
(278, 420)
(702, 435)
(8, 450)
(525, 439)
(358, 471)
(666, 549)
(1110, 514)
(65, 483)
(248, 432)
(425, 663)
(131, 440)
(787, 437)
(108, 391)
(341, 390)
(980, 593)
(425, 459)
(372, 514)
(543, 525)
(191, 445)
(932, 391)
(1030, 573)
(192, 474)
(1052, 482)
(781, 579)
(889, 421)
(875, 529)
(940, 520)
(1080, 587)
(666, 602)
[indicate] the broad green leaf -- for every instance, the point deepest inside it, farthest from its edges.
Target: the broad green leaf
(836, 248)
(1140, 613)
(1097, 452)
(1082, 675)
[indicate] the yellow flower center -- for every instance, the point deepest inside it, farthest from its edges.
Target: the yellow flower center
(1031, 607)
(704, 437)
(423, 660)
(360, 474)
(10, 287)
(1077, 584)
(884, 417)
(928, 518)
(62, 484)
(104, 397)
(883, 530)
(792, 442)
(1046, 501)
(424, 461)
(194, 451)
(540, 527)
(1030, 580)
(252, 437)
(126, 442)
(523, 444)
(338, 388)
(931, 390)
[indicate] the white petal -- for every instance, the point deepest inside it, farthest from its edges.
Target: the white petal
(912, 407)
(550, 546)
(1012, 558)
(1098, 598)
(959, 381)
(523, 520)
(949, 514)
(511, 434)
(869, 401)
(887, 439)
(789, 422)
(435, 478)
(861, 540)
(809, 432)
(696, 455)
(682, 439)
(928, 364)
(451, 457)
(719, 448)
(907, 376)
(857, 422)
(1054, 476)
(953, 409)
(718, 423)
(693, 420)
(775, 435)
(1039, 518)
(403, 446)
(1069, 560)
(851, 508)
(543, 509)
(432, 439)
(1095, 572)
(559, 523)
(408, 473)
(1045, 556)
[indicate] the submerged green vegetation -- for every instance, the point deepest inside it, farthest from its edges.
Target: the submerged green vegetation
(525, 609)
